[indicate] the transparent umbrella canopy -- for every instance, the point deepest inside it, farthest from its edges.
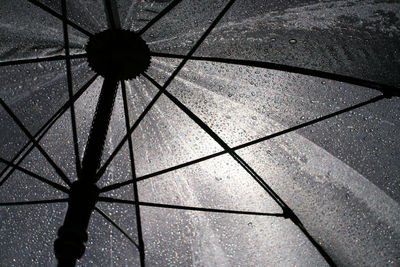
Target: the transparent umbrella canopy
(210, 133)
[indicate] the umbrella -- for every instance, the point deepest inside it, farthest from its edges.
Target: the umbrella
(261, 133)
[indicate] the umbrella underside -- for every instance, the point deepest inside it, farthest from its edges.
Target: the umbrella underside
(261, 133)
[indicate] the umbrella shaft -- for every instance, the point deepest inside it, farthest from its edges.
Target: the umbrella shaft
(72, 236)
(98, 132)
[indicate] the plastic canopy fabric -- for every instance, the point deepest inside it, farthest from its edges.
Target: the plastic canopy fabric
(304, 92)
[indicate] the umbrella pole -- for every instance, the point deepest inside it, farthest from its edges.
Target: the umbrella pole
(83, 196)
(116, 55)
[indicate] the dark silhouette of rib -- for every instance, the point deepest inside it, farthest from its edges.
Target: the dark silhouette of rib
(324, 254)
(135, 189)
(44, 129)
(116, 226)
(36, 176)
(159, 16)
(164, 87)
(122, 142)
(388, 90)
(287, 210)
(112, 14)
(41, 59)
(259, 140)
(216, 138)
(180, 207)
(37, 145)
(35, 202)
(70, 90)
(303, 125)
(55, 14)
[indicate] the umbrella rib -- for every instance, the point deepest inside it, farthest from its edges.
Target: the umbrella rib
(38, 146)
(34, 202)
(135, 189)
(286, 209)
(222, 143)
(43, 130)
(159, 16)
(164, 87)
(36, 176)
(122, 142)
(39, 60)
(312, 122)
(244, 145)
(157, 173)
(385, 89)
(170, 206)
(112, 14)
(116, 226)
(324, 254)
(70, 90)
(55, 14)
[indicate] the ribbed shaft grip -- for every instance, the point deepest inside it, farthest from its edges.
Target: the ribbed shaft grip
(98, 132)
(72, 236)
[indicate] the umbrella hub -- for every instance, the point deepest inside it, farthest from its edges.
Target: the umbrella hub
(117, 53)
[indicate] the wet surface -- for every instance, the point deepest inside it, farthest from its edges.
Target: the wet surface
(340, 176)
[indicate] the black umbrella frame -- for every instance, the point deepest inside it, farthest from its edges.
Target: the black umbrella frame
(110, 54)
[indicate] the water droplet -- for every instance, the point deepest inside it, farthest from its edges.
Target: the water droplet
(250, 224)
(273, 39)
(323, 82)
(292, 41)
